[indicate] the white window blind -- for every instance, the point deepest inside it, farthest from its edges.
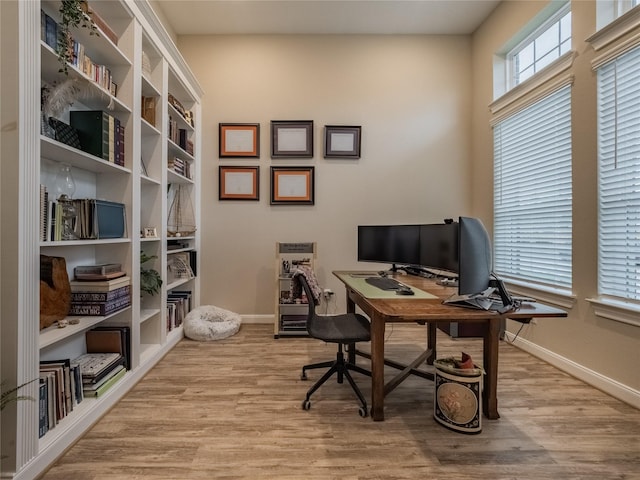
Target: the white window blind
(619, 176)
(532, 192)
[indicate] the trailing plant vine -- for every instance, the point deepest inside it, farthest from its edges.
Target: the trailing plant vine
(73, 14)
(11, 395)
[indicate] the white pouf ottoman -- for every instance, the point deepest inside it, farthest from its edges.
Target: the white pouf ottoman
(207, 322)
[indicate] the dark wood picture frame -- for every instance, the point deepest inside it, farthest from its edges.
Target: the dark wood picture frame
(239, 183)
(292, 139)
(342, 141)
(239, 140)
(292, 185)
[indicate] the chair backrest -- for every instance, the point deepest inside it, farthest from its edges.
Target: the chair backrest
(312, 318)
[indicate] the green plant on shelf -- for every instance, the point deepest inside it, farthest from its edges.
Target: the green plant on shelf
(150, 280)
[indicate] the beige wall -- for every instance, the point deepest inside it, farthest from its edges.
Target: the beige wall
(599, 347)
(410, 94)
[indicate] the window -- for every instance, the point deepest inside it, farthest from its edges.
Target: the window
(549, 42)
(532, 192)
(619, 176)
(609, 10)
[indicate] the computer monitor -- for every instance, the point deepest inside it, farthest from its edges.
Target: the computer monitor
(439, 246)
(475, 261)
(395, 244)
(475, 270)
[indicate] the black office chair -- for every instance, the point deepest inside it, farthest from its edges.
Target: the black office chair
(342, 329)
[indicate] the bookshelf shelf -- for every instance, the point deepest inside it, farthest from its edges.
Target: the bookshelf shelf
(131, 27)
(77, 243)
(149, 181)
(175, 334)
(59, 152)
(147, 313)
(148, 88)
(178, 250)
(147, 352)
(176, 150)
(178, 283)
(149, 130)
(103, 100)
(177, 116)
(177, 178)
(52, 335)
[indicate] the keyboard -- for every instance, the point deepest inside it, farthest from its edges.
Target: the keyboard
(383, 283)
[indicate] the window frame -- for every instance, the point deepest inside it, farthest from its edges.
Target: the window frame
(511, 56)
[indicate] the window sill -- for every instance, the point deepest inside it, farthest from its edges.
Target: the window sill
(552, 296)
(624, 312)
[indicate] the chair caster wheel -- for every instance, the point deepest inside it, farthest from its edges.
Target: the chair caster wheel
(306, 405)
(303, 376)
(362, 411)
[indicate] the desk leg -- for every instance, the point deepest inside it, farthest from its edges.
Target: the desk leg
(431, 341)
(377, 368)
(490, 353)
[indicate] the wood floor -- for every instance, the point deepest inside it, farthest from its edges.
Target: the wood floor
(232, 410)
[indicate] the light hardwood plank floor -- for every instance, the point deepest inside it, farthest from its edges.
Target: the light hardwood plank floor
(231, 409)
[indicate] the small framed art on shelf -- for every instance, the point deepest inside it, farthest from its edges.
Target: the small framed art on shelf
(239, 140)
(292, 185)
(341, 141)
(292, 139)
(239, 183)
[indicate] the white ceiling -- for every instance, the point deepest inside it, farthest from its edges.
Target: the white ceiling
(202, 17)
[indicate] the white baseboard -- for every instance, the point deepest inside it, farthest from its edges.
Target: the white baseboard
(262, 319)
(607, 385)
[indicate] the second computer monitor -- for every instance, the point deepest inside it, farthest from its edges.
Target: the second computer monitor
(439, 246)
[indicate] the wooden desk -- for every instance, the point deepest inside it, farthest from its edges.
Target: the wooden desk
(428, 308)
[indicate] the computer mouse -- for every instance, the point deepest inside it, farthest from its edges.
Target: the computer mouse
(405, 291)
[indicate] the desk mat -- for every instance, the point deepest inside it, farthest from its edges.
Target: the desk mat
(360, 284)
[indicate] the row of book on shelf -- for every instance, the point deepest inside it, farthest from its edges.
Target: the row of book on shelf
(65, 383)
(90, 218)
(178, 306)
(100, 74)
(180, 136)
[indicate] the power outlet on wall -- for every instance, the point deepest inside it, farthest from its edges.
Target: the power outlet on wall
(327, 293)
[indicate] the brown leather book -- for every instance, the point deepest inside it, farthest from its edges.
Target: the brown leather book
(104, 341)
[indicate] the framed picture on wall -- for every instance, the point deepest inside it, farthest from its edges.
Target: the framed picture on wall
(239, 183)
(239, 140)
(292, 139)
(292, 185)
(341, 141)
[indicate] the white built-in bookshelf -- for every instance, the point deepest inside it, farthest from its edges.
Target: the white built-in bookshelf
(144, 63)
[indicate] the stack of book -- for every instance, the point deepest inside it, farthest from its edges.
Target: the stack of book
(100, 371)
(99, 290)
(110, 339)
(180, 166)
